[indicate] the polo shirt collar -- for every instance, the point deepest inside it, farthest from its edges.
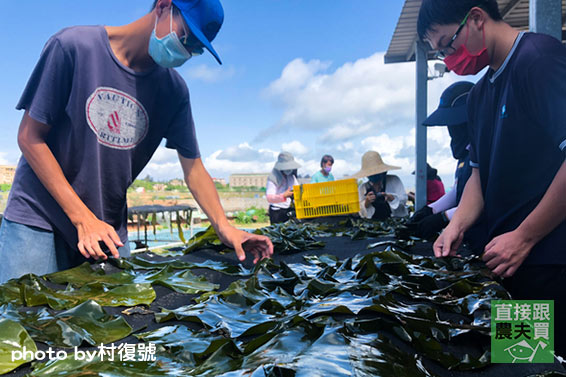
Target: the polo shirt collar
(509, 55)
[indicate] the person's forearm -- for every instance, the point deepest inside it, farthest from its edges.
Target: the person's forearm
(449, 213)
(45, 166)
(549, 213)
(204, 191)
(471, 204)
(445, 202)
(275, 198)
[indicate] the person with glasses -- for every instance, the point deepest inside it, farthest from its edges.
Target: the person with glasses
(97, 105)
(517, 121)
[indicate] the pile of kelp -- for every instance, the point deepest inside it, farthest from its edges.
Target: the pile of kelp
(293, 237)
(386, 313)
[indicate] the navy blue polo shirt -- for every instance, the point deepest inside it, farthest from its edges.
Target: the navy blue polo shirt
(518, 133)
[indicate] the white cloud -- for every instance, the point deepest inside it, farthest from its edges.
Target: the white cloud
(4, 160)
(245, 158)
(209, 74)
(361, 97)
(295, 76)
(348, 130)
(164, 171)
(361, 105)
(219, 164)
(164, 155)
(245, 153)
(295, 147)
(347, 146)
(163, 166)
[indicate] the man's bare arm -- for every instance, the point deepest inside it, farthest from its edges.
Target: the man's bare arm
(31, 140)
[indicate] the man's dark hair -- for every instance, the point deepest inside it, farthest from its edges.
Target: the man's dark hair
(154, 4)
(325, 159)
(445, 12)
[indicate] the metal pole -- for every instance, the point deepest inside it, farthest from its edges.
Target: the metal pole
(421, 103)
(545, 16)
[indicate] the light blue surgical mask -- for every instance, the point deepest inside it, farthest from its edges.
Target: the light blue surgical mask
(287, 172)
(168, 51)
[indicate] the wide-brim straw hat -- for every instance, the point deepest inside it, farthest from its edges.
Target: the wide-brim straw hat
(372, 163)
(286, 161)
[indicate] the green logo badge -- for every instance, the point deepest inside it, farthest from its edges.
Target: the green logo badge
(522, 331)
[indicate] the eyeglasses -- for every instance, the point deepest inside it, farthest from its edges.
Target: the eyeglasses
(191, 42)
(443, 52)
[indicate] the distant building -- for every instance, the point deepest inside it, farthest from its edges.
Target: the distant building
(159, 187)
(176, 182)
(221, 181)
(249, 180)
(7, 174)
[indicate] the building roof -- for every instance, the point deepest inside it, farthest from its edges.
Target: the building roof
(401, 47)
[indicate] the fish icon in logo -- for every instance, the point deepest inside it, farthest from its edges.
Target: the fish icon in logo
(114, 122)
(524, 351)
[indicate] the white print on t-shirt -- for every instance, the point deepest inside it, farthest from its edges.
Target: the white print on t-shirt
(118, 120)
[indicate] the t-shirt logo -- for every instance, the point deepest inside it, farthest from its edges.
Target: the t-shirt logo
(118, 120)
(503, 112)
(114, 122)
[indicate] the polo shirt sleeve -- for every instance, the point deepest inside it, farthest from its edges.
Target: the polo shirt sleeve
(545, 92)
(181, 134)
(47, 91)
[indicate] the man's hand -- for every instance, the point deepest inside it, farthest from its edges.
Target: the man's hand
(203, 189)
(505, 253)
(31, 139)
(92, 231)
(260, 246)
(448, 242)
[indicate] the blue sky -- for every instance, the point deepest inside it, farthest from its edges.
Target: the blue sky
(302, 75)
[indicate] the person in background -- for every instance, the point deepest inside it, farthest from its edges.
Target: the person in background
(279, 190)
(451, 112)
(324, 174)
(434, 186)
(517, 122)
(382, 195)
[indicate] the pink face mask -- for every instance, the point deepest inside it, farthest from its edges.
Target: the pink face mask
(463, 63)
(327, 169)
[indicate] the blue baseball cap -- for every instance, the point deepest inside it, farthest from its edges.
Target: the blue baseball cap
(452, 109)
(204, 18)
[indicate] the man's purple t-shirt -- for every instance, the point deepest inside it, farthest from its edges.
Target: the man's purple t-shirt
(106, 122)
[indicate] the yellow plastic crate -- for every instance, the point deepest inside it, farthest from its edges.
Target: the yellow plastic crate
(326, 198)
